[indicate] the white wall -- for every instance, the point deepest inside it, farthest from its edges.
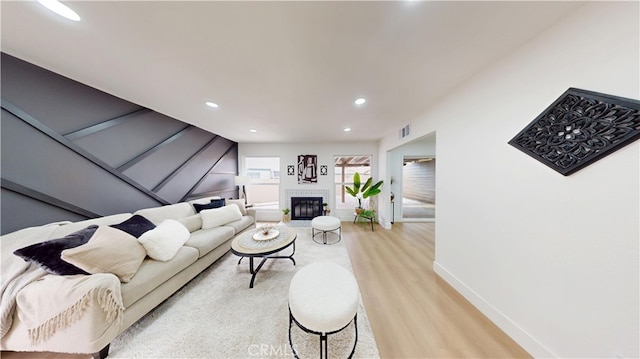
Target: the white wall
(288, 153)
(552, 260)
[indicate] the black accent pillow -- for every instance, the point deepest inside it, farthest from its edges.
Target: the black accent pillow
(218, 202)
(215, 203)
(47, 254)
(135, 226)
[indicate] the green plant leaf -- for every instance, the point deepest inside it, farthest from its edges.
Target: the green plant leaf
(371, 193)
(366, 184)
(356, 185)
(373, 190)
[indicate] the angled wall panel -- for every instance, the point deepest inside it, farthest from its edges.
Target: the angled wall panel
(61, 104)
(213, 182)
(220, 181)
(35, 161)
(180, 185)
(159, 165)
(14, 206)
(228, 164)
(71, 152)
(130, 144)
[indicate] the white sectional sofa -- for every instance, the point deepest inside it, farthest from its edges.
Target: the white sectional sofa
(113, 305)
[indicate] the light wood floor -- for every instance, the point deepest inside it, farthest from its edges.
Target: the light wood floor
(413, 313)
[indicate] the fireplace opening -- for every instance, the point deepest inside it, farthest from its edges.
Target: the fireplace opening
(306, 207)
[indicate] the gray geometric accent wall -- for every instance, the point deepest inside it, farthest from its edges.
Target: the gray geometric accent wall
(72, 152)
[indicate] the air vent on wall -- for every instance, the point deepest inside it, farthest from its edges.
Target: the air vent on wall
(404, 132)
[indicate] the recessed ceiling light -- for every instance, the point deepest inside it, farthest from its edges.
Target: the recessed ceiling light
(253, 130)
(347, 129)
(360, 101)
(211, 104)
(60, 9)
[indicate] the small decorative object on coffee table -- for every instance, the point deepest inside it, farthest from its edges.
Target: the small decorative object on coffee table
(265, 232)
(265, 228)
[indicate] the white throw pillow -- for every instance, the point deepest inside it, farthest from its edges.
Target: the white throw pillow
(240, 204)
(163, 242)
(217, 217)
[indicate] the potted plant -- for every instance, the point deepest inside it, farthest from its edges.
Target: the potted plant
(324, 209)
(285, 215)
(368, 213)
(365, 191)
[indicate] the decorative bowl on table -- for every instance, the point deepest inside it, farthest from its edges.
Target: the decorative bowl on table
(265, 233)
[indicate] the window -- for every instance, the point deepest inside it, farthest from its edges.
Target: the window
(345, 168)
(264, 176)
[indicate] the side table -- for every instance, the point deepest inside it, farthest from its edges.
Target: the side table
(365, 217)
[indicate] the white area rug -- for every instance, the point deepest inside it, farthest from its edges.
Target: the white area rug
(217, 315)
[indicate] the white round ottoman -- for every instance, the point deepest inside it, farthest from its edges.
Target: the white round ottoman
(323, 299)
(325, 224)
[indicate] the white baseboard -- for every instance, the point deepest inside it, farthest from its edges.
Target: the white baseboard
(524, 339)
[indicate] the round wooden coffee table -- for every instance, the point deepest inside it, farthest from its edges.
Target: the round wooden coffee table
(245, 245)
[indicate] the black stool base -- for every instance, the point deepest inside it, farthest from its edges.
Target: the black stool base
(323, 337)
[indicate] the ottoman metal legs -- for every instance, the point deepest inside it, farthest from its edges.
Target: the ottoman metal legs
(323, 336)
(325, 224)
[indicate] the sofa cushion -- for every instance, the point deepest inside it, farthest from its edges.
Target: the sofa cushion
(241, 224)
(109, 250)
(172, 211)
(152, 273)
(218, 216)
(215, 203)
(47, 254)
(240, 204)
(135, 226)
(204, 200)
(205, 240)
(164, 241)
(193, 223)
(63, 230)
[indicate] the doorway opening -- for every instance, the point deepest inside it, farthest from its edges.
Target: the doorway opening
(418, 188)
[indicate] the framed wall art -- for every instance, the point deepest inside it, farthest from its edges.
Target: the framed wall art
(307, 169)
(579, 128)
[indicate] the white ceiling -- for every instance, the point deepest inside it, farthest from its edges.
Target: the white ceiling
(290, 70)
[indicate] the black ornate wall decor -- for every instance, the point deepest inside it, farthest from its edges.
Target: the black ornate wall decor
(579, 128)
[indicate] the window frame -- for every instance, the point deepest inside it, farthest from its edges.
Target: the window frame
(250, 168)
(349, 201)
